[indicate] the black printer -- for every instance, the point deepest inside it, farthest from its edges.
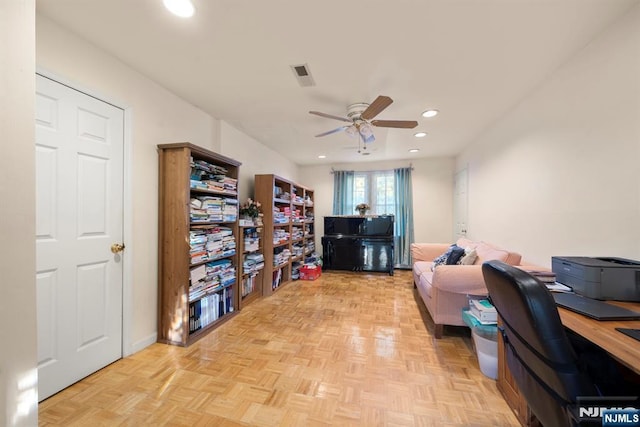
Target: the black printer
(603, 278)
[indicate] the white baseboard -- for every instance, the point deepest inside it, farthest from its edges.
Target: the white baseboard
(142, 344)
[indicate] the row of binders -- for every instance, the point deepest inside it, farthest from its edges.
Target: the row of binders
(206, 209)
(207, 176)
(211, 243)
(249, 284)
(211, 277)
(209, 309)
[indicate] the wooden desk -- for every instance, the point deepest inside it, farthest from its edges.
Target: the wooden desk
(602, 333)
(623, 348)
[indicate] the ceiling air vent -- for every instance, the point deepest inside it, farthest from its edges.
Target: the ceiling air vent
(303, 75)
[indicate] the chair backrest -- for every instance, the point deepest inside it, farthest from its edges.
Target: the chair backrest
(539, 353)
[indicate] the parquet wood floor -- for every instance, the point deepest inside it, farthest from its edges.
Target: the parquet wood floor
(348, 349)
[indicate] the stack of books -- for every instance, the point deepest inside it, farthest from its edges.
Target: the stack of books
(207, 176)
(252, 263)
(211, 277)
(211, 243)
(296, 233)
(483, 311)
(279, 216)
(311, 246)
(545, 276)
(280, 235)
(281, 257)
(297, 250)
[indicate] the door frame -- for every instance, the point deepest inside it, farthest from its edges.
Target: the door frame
(127, 218)
(458, 176)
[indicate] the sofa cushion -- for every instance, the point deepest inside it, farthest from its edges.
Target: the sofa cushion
(487, 252)
(420, 267)
(463, 242)
(425, 284)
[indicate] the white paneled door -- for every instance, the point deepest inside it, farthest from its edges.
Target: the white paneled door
(79, 232)
(460, 203)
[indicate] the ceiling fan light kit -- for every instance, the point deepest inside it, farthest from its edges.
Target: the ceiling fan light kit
(360, 116)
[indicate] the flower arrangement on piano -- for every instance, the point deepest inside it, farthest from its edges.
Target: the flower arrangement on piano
(250, 208)
(362, 208)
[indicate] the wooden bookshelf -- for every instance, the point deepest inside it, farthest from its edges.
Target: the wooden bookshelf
(194, 242)
(251, 279)
(288, 228)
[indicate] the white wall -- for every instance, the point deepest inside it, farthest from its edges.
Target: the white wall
(256, 158)
(432, 181)
(558, 175)
(156, 116)
(18, 372)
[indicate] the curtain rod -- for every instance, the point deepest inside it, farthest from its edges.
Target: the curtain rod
(374, 170)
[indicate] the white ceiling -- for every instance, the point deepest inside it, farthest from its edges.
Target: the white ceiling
(471, 59)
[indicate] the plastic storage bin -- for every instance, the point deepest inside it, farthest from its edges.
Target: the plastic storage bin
(485, 340)
(310, 272)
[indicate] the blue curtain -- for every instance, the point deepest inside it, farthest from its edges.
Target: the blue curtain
(343, 192)
(403, 228)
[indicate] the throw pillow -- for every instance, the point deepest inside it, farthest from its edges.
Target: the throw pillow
(469, 257)
(442, 259)
(455, 253)
(450, 257)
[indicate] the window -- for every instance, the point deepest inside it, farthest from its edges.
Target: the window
(386, 192)
(376, 188)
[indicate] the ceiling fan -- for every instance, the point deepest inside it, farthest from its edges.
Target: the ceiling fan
(359, 117)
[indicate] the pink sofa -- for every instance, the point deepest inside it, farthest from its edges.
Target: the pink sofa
(445, 290)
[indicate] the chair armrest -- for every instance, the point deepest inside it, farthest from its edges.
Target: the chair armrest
(460, 279)
(427, 251)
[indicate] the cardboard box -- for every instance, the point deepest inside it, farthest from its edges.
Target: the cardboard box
(310, 272)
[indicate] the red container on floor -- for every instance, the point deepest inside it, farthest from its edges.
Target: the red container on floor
(310, 272)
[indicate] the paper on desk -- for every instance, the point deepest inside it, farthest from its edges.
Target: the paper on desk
(558, 287)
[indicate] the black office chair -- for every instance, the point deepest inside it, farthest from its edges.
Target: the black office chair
(539, 354)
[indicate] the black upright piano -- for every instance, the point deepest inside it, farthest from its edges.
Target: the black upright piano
(358, 243)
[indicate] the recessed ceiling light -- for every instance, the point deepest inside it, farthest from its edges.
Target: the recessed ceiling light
(430, 113)
(181, 8)
(420, 134)
(414, 150)
(322, 156)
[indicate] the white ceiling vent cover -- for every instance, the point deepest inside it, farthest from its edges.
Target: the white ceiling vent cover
(303, 75)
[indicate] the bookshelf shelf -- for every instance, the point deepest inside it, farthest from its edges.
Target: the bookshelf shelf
(198, 241)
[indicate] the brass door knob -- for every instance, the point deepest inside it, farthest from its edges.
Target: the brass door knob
(117, 247)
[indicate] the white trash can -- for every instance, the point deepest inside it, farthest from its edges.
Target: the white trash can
(486, 343)
(485, 340)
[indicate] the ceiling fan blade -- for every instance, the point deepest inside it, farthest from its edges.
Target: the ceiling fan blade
(332, 131)
(376, 107)
(330, 116)
(404, 124)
